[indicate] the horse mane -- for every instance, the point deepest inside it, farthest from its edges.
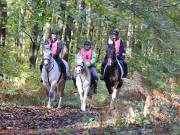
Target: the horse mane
(111, 46)
(87, 72)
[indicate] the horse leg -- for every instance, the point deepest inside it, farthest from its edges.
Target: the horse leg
(51, 94)
(109, 88)
(80, 90)
(81, 96)
(85, 98)
(45, 87)
(114, 95)
(61, 91)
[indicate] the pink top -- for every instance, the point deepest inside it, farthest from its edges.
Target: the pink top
(53, 46)
(117, 44)
(87, 55)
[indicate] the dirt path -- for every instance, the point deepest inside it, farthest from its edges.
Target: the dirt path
(37, 120)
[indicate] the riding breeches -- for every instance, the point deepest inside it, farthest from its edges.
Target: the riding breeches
(61, 65)
(94, 72)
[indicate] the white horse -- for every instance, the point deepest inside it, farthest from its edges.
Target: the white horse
(83, 80)
(52, 78)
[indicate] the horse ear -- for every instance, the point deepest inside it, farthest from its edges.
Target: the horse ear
(47, 47)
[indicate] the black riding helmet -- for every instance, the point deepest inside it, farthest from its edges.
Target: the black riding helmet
(115, 32)
(87, 42)
(55, 31)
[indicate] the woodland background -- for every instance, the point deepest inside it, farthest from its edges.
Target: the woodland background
(149, 28)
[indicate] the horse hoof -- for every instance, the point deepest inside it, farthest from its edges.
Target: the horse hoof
(59, 107)
(48, 107)
(83, 110)
(112, 107)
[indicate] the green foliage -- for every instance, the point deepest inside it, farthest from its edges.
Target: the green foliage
(153, 29)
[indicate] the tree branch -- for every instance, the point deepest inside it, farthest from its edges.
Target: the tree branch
(171, 5)
(29, 36)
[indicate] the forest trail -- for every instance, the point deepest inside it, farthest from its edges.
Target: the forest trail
(137, 111)
(35, 120)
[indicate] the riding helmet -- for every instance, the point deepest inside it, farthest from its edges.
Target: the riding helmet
(115, 32)
(55, 31)
(87, 42)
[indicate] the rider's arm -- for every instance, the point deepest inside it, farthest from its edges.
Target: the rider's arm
(93, 60)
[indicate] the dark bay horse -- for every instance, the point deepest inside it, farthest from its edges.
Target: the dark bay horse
(112, 73)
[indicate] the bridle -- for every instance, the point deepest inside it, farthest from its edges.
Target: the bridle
(112, 57)
(82, 67)
(49, 62)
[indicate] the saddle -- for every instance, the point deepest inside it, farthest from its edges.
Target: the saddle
(121, 67)
(61, 66)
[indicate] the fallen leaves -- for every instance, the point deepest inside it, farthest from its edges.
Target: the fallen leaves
(32, 119)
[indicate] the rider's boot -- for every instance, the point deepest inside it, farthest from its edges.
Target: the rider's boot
(101, 77)
(95, 86)
(125, 70)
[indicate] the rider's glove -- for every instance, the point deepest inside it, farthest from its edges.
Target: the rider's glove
(88, 64)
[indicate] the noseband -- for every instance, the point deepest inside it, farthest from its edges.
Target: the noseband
(49, 63)
(47, 60)
(82, 67)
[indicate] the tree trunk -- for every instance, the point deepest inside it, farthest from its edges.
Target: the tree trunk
(21, 32)
(34, 45)
(67, 34)
(3, 21)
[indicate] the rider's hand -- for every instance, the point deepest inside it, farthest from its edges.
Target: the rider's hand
(87, 64)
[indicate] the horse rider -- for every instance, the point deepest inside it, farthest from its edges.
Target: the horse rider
(119, 46)
(56, 47)
(89, 58)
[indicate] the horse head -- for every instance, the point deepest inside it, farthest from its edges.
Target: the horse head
(111, 54)
(47, 56)
(79, 64)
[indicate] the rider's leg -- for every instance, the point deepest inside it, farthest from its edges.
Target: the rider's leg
(40, 67)
(95, 77)
(63, 68)
(102, 69)
(94, 72)
(125, 69)
(67, 68)
(74, 81)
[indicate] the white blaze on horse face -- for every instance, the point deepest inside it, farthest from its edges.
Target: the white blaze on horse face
(47, 56)
(78, 69)
(109, 63)
(46, 62)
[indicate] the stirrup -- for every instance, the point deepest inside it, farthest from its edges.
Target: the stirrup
(101, 78)
(41, 80)
(67, 77)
